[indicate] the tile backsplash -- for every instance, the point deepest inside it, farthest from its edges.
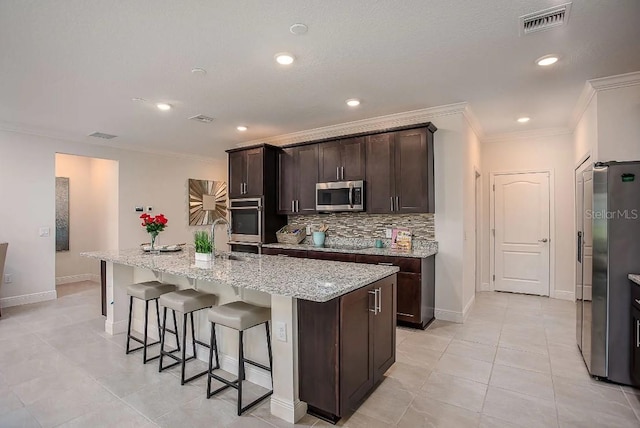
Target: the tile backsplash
(364, 225)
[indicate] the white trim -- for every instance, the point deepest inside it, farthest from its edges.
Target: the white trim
(584, 100)
(527, 135)
(582, 160)
(447, 315)
(473, 122)
(77, 278)
(564, 295)
(25, 299)
(552, 225)
(289, 411)
(467, 308)
(114, 328)
(615, 82)
(367, 125)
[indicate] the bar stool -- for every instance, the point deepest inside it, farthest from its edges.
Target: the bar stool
(239, 316)
(147, 291)
(186, 302)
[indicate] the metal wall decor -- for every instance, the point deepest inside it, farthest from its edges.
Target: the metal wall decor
(207, 201)
(62, 214)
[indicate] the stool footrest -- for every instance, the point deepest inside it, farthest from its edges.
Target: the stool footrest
(253, 363)
(141, 342)
(195, 376)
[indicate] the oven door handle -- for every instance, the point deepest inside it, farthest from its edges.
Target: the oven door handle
(245, 208)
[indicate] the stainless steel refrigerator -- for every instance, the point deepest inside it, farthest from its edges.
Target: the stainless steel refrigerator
(608, 249)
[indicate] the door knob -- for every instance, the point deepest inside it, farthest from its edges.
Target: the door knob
(543, 240)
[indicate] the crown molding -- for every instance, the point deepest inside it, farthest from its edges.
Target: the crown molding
(362, 126)
(473, 122)
(69, 138)
(614, 82)
(587, 94)
(526, 135)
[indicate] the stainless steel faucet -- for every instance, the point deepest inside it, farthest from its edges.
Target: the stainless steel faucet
(213, 230)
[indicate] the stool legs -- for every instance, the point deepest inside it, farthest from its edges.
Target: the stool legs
(145, 341)
(237, 384)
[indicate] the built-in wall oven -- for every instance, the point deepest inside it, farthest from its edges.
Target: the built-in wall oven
(340, 196)
(246, 220)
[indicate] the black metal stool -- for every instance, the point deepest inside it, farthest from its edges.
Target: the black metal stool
(147, 291)
(239, 316)
(186, 302)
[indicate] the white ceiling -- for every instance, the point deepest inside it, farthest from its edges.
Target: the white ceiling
(71, 67)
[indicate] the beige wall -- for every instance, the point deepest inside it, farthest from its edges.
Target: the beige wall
(585, 135)
(27, 187)
(553, 153)
(618, 124)
(472, 163)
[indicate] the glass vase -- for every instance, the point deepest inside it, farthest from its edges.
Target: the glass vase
(153, 250)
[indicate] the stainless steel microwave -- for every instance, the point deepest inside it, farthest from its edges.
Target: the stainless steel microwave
(340, 196)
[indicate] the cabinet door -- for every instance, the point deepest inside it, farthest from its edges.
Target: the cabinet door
(411, 171)
(307, 168)
(286, 181)
(253, 181)
(356, 327)
(635, 346)
(329, 161)
(380, 178)
(284, 253)
(237, 174)
(326, 255)
(384, 329)
(353, 158)
(409, 297)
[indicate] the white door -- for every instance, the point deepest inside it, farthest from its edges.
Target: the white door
(521, 223)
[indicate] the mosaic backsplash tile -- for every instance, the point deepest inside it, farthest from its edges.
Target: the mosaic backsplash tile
(364, 225)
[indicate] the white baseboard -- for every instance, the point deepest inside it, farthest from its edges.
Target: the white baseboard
(287, 410)
(115, 327)
(447, 315)
(564, 295)
(467, 308)
(77, 278)
(25, 299)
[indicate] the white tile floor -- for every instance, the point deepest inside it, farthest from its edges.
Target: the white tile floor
(513, 364)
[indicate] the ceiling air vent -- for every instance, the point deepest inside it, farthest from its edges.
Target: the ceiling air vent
(202, 118)
(544, 19)
(102, 135)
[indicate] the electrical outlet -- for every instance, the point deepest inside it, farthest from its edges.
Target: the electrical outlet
(280, 331)
(139, 209)
(387, 233)
(8, 278)
(308, 230)
(149, 208)
(44, 232)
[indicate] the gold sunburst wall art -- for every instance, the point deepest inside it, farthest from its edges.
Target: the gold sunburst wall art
(207, 201)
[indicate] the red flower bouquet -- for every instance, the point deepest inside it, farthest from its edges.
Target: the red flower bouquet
(154, 225)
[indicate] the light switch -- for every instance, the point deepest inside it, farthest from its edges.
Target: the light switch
(387, 233)
(280, 330)
(44, 232)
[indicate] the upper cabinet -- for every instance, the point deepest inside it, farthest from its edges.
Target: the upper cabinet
(246, 173)
(342, 160)
(298, 168)
(399, 170)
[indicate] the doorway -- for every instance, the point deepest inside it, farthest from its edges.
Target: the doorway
(522, 227)
(86, 220)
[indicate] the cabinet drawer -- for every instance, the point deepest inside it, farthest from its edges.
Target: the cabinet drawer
(406, 264)
(409, 297)
(281, 252)
(635, 296)
(325, 255)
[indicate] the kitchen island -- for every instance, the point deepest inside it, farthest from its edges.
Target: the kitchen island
(287, 285)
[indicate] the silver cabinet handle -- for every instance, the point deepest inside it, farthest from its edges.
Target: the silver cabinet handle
(297, 205)
(385, 264)
(293, 206)
(379, 291)
(405, 315)
(543, 240)
(391, 203)
(375, 301)
(337, 173)
(342, 172)
(397, 203)
(637, 333)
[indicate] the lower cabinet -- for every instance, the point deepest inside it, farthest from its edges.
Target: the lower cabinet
(635, 334)
(345, 347)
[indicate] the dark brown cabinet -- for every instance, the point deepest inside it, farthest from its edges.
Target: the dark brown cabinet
(345, 347)
(399, 171)
(635, 334)
(246, 173)
(284, 253)
(342, 160)
(298, 168)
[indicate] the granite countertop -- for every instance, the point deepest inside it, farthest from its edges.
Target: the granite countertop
(307, 279)
(421, 249)
(635, 278)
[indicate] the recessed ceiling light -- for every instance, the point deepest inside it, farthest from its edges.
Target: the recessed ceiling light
(547, 60)
(298, 29)
(284, 58)
(241, 128)
(163, 106)
(198, 70)
(524, 119)
(353, 102)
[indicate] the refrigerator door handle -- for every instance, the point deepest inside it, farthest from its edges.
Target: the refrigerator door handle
(579, 247)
